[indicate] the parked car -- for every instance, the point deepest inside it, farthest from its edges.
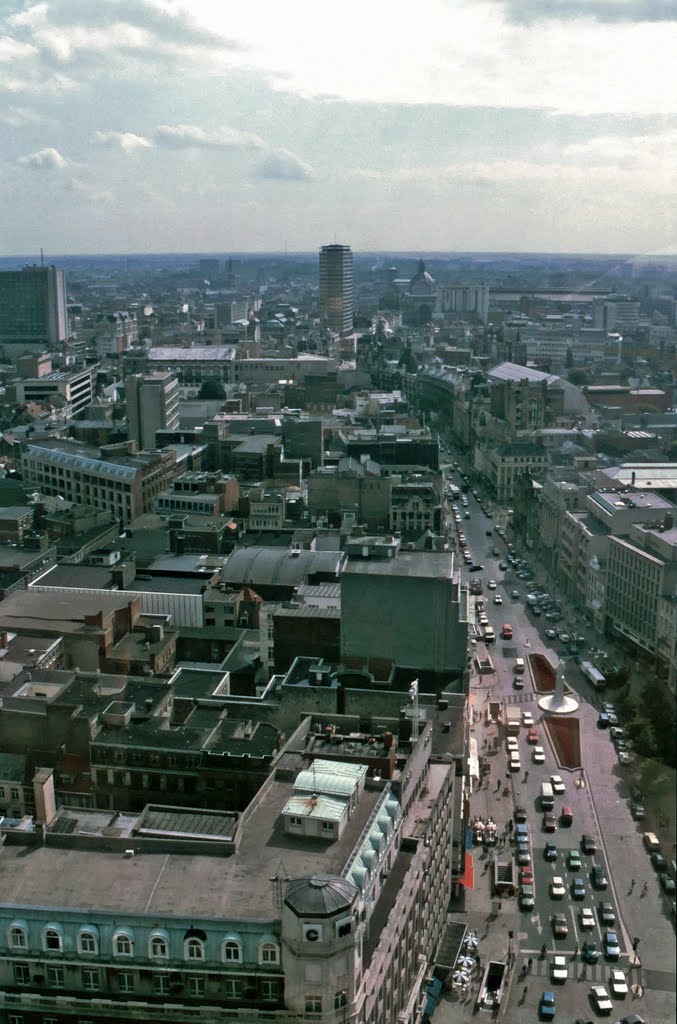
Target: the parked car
(600, 998)
(624, 758)
(514, 594)
(546, 1006)
(522, 854)
(526, 897)
(637, 811)
(659, 862)
(667, 883)
(560, 928)
(526, 876)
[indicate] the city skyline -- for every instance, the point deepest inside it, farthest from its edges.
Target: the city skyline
(497, 126)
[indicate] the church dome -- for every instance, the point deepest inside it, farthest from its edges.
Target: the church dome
(422, 283)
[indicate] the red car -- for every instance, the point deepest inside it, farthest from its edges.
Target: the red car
(526, 876)
(532, 736)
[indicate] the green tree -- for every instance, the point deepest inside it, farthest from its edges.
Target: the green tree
(578, 377)
(640, 734)
(212, 388)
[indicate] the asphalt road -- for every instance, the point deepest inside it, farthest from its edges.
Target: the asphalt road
(600, 808)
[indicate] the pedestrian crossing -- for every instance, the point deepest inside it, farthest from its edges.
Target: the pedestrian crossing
(576, 970)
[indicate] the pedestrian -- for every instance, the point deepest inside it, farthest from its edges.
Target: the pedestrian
(524, 994)
(645, 889)
(530, 963)
(632, 885)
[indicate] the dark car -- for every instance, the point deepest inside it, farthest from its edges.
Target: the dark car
(549, 822)
(550, 851)
(590, 952)
(476, 568)
(606, 913)
(560, 928)
(578, 889)
(503, 566)
(588, 844)
(598, 877)
(603, 721)
(659, 862)
(520, 815)
(636, 794)
(526, 897)
(667, 884)
(637, 811)
(612, 949)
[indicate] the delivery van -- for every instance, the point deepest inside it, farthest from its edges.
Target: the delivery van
(547, 796)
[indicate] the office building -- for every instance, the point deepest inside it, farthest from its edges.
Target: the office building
(33, 307)
(336, 287)
(152, 405)
(69, 391)
(459, 300)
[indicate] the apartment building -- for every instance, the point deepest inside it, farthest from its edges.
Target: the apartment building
(325, 902)
(72, 390)
(109, 478)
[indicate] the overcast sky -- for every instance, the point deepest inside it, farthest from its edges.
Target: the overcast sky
(215, 125)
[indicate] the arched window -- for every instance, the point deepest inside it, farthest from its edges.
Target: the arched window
(18, 937)
(269, 953)
(159, 948)
(194, 949)
(52, 939)
(231, 951)
(123, 944)
(88, 941)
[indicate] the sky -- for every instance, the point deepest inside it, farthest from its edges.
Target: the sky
(442, 125)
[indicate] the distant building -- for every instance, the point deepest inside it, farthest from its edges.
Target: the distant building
(420, 299)
(336, 287)
(72, 391)
(459, 300)
(33, 307)
(152, 405)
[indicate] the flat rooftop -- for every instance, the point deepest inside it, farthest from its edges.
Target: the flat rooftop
(423, 564)
(167, 884)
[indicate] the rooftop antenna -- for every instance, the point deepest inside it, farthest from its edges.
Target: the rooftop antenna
(42, 257)
(413, 693)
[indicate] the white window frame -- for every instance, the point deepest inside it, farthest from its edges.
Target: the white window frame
(56, 977)
(48, 931)
(196, 985)
(236, 947)
(93, 976)
(14, 932)
(119, 938)
(85, 935)
(126, 981)
(265, 950)
(193, 943)
(152, 954)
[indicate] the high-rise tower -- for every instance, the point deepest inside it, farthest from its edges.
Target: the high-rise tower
(33, 308)
(152, 405)
(336, 287)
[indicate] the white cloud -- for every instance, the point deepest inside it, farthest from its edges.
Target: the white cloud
(16, 117)
(186, 136)
(282, 165)
(48, 159)
(89, 191)
(126, 141)
(14, 50)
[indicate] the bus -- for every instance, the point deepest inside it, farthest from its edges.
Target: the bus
(453, 492)
(593, 675)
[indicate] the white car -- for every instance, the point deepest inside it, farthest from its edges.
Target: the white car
(601, 999)
(558, 786)
(558, 968)
(538, 755)
(498, 599)
(492, 584)
(515, 765)
(587, 918)
(527, 718)
(512, 744)
(618, 984)
(624, 758)
(557, 888)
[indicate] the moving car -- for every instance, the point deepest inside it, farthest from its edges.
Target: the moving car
(550, 851)
(588, 844)
(532, 736)
(498, 599)
(515, 765)
(578, 889)
(549, 822)
(506, 632)
(558, 969)
(557, 888)
(618, 984)
(560, 928)
(598, 877)
(558, 786)
(574, 860)
(492, 584)
(512, 744)
(590, 952)
(600, 998)
(567, 816)
(586, 919)
(514, 593)
(546, 1006)
(612, 949)
(607, 914)
(520, 814)
(527, 719)
(538, 755)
